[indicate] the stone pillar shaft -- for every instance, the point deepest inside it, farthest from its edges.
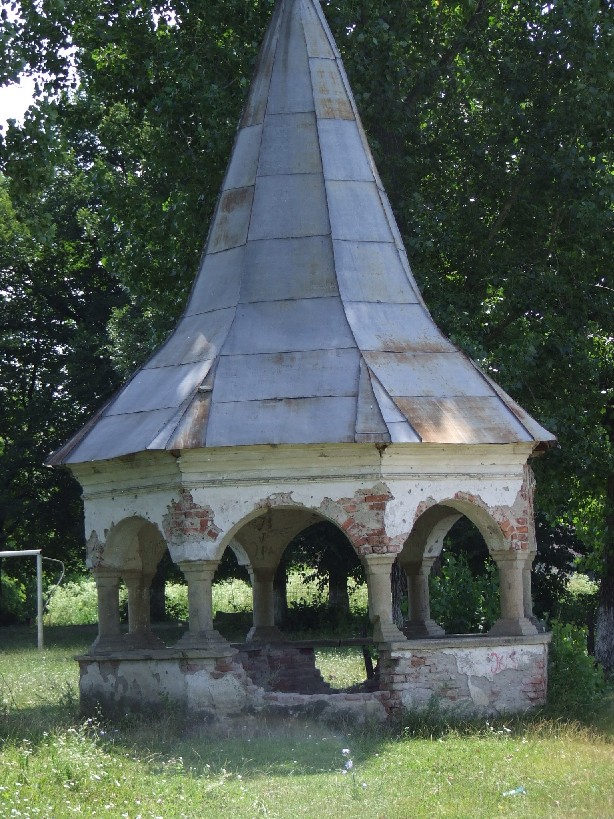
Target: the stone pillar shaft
(263, 598)
(420, 623)
(201, 634)
(140, 635)
(378, 568)
(263, 602)
(138, 602)
(513, 620)
(107, 589)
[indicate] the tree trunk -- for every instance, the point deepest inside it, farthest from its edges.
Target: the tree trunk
(280, 594)
(338, 597)
(399, 592)
(604, 625)
(157, 599)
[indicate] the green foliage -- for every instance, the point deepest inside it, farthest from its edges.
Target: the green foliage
(76, 603)
(578, 603)
(492, 127)
(12, 601)
(461, 601)
(576, 683)
(176, 602)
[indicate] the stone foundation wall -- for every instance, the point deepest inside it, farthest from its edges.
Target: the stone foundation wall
(283, 668)
(471, 675)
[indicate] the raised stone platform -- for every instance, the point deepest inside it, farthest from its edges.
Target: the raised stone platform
(471, 674)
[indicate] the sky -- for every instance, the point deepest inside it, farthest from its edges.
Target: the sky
(14, 99)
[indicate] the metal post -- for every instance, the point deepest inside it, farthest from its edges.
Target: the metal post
(39, 598)
(39, 584)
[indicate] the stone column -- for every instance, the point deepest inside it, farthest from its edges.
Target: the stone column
(107, 589)
(200, 634)
(139, 634)
(528, 595)
(378, 568)
(264, 629)
(513, 621)
(419, 623)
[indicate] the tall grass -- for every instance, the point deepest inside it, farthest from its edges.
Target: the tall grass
(54, 764)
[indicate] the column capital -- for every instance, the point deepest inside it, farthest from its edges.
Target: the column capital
(519, 556)
(199, 567)
(108, 573)
(379, 563)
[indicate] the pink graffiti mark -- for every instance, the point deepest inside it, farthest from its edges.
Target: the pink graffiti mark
(499, 662)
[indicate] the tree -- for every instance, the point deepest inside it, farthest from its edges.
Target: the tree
(53, 315)
(490, 121)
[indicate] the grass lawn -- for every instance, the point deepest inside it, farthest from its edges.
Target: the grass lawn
(54, 764)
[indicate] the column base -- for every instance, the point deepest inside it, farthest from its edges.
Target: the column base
(387, 632)
(419, 629)
(108, 644)
(539, 624)
(206, 640)
(265, 634)
(508, 627)
(142, 639)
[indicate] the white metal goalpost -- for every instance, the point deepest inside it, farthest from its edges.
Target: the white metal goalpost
(39, 584)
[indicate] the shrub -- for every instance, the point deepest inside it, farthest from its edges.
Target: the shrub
(575, 682)
(74, 603)
(461, 601)
(578, 603)
(12, 601)
(176, 601)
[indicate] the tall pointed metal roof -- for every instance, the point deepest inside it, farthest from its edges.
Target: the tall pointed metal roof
(305, 324)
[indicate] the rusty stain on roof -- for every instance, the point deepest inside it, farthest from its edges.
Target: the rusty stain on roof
(305, 324)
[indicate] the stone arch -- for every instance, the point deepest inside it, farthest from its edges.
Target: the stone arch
(131, 552)
(427, 535)
(424, 545)
(133, 544)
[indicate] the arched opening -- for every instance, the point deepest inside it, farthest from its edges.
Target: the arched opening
(464, 582)
(423, 549)
(132, 551)
(232, 594)
(302, 570)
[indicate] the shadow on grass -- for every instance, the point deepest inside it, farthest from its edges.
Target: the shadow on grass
(253, 745)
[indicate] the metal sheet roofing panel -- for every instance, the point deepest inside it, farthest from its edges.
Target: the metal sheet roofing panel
(395, 328)
(231, 219)
(289, 206)
(287, 375)
(243, 165)
(289, 269)
(255, 106)
(329, 92)
(290, 88)
(287, 326)
(343, 154)
(356, 213)
(402, 433)
(186, 430)
(118, 435)
(159, 388)
(290, 145)
(196, 338)
(368, 415)
(372, 272)
(389, 410)
(319, 43)
(463, 420)
(438, 375)
(218, 282)
(290, 421)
